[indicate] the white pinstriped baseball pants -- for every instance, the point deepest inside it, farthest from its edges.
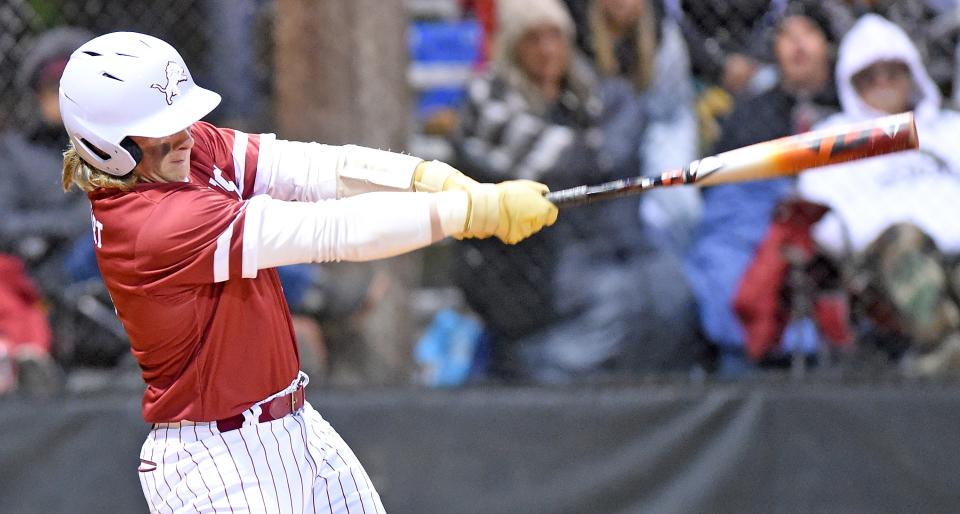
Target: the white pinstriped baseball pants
(294, 464)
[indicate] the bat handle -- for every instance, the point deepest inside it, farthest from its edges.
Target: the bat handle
(616, 189)
(569, 197)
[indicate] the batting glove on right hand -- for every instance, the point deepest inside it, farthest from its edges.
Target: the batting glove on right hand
(512, 210)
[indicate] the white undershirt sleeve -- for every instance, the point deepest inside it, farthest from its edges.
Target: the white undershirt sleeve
(309, 172)
(360, 228)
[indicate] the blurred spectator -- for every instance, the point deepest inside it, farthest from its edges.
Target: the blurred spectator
(594, 296)
(37, 220)
(896, 214)
(739, 215)
(730, 50)
(725, 39)
(933, 26)
(25, 336)
(633, 39)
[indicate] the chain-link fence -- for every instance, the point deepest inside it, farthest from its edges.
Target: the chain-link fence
(692, 66)
(228, 47)
(584, 296)
(214, 37)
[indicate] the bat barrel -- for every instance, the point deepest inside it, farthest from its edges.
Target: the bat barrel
(871, 138)
(833, 145)
(779, 157)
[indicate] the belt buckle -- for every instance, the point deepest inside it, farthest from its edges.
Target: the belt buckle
(293, 400)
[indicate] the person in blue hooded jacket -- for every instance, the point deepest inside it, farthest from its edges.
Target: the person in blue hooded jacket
(737, 216)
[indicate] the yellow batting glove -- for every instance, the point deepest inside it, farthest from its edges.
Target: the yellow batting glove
(512, 210)
(434, 176)
(524, 210)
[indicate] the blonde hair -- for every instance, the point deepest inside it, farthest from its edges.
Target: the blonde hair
(603, 46)
(78, 172)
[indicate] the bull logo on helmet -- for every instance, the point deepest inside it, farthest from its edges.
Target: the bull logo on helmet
(175, 75)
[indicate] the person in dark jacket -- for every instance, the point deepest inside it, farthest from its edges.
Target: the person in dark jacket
(739, 215)
(38, 221)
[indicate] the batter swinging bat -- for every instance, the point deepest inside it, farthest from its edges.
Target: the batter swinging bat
(776, 158)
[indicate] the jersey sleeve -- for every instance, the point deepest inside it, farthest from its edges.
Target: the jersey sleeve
(229, 159)
(196, 237)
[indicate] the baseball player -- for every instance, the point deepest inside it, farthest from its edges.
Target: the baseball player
(188, 221)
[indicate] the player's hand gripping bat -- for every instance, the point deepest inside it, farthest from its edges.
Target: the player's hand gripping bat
(776, 158)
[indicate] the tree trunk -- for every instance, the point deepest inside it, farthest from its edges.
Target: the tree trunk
(341, 68)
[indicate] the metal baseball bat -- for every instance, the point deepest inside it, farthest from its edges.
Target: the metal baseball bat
(775, 158)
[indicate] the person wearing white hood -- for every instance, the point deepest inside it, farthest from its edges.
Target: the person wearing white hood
(894, 215)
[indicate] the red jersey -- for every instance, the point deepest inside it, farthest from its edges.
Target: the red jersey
(212, 335)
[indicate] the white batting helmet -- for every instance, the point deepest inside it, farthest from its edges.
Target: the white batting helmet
(127, 84)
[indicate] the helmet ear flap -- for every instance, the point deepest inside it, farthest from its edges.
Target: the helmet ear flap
(132, 148)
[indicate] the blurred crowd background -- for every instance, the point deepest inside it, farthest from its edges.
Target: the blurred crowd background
(837, 272)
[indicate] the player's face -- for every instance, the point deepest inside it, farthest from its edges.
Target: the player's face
(165, 159)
